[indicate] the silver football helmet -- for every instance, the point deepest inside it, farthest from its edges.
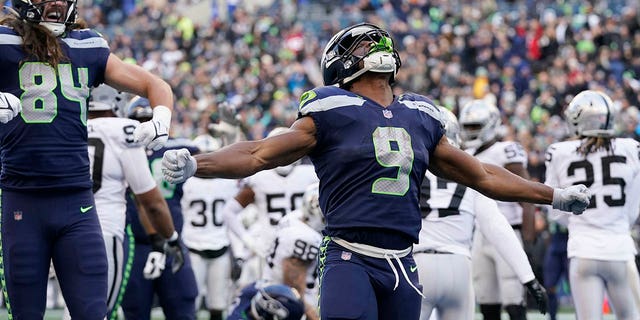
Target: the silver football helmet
(591, 114)
(479, 123)
(451, 126)
(282, 170)
(105, 97)
(206, 143)
(311, 213)
(139, 108)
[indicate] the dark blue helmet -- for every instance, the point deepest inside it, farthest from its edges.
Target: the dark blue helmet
(277, 302)
(47, 13)
(139, 108)
(345, 57)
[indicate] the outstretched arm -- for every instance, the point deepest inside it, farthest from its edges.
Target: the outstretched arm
(493, 181)
(248, 157)
(242, 159)
(500, 184)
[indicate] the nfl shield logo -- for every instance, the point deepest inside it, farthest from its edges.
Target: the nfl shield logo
(346, 255)
(17, 215)
(387, 114)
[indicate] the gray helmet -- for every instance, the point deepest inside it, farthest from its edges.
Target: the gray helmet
(591, 113)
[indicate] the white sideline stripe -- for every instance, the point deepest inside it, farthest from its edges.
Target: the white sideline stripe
(10, 39)
(94, 42)
(331, 102)
(424, 107)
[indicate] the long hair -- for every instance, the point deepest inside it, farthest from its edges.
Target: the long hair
(38, 43)
(593, 144)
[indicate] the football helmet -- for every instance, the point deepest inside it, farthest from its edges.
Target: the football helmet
(479, 123)
(451, 126)
(344, 58)
(105, 97)
(311, 213)
(139, 108)
(206, 143)
(47, 13)
(277, 302)
(591, 113)
(282, 170)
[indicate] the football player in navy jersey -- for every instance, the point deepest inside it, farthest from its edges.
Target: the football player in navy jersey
(50, 61)
(171, 278)
(370, 150)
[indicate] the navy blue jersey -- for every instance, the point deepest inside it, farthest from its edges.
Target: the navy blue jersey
(371, 161)
(45, 147)
(171, 192)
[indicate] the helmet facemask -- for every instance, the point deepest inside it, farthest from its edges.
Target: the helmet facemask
(479, 123)
(356, 50)
(49, 13)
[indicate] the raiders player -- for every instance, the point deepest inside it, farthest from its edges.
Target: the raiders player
(600, 246)
(496, 284)
(443, 255)
(204, 233)
(293, 257)
(117, 162)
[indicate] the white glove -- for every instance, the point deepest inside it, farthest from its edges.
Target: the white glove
(178, 165)
(155, 265)
(259, 248)
(572, 199)
(154, 133)
(10, 106)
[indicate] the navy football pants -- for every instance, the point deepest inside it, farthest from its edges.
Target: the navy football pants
(40, 226)
(354, 286)
(176, 292)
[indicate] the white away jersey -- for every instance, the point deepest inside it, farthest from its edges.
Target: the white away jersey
(294, 239)
(116, 162)
(202, 203)
(275, 195)
(500, 154)
(448, 211)
(603, 231)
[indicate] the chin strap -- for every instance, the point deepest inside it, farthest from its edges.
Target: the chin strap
(379, 62)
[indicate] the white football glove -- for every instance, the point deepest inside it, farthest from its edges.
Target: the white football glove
(572, 199)
(155, 265)
(178, 165)
(259, 248)
(10, 106)
(154, 133)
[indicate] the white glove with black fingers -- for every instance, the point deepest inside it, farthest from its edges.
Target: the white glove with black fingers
(178, 165)
(156, 260)
(571, 199)
(10, 106)
(154, 133)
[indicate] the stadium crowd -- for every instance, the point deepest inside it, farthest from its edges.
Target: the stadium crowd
(527, 57)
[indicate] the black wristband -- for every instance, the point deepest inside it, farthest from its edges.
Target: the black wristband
(157, 242)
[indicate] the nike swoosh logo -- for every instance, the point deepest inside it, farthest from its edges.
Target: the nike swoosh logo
(85, 209)
(413, 268)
